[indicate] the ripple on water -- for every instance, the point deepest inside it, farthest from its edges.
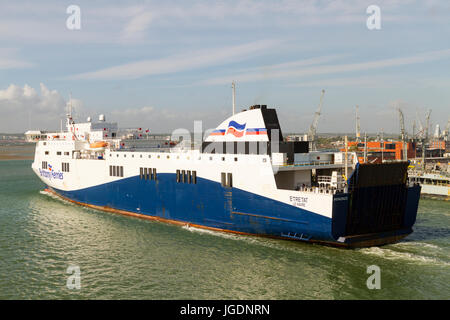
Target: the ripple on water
(121, 257)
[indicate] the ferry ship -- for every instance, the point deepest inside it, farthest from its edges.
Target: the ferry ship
(243, 178)
(434, 185)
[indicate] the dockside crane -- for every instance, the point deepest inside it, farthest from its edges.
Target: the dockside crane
(313, 128)
(402, 123)
(420, 133)
(427, 123)
(358, 127)
(446, 131)
(425, 137)
(402, 132)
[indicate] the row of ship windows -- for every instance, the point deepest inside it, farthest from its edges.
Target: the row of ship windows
(147, 173)
(116, 171)
(58, 153)
(178, 157)
(66, 153)
(226, 179)
(183, 176)
(64, 166)
(186, 176)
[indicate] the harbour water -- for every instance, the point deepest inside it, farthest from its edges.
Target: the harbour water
(128, 258)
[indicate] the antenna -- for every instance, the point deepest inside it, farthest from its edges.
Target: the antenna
(233, 86)
(69, 113)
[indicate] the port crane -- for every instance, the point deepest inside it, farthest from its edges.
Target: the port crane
(425, 136)
(420, 132)
(402, 132)
(446, 131)
(402, 123)
(358, 127)
(313, 128)
(427, 123)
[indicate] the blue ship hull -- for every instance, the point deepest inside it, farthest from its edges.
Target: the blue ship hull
(210, 205)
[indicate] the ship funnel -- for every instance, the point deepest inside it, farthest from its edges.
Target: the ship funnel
(101, 118)
(88, 119)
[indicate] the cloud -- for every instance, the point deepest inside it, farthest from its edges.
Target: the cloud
(281, 72)
(182, 62)
(22, 107)
(9, 60)
(136, 27)
(121, 23)
(165, 120)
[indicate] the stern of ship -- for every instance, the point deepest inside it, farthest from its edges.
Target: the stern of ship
(379, 207)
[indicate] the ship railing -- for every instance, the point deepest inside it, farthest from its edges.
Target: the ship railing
(142, 149)
(322, 190)
(324, 179)
(309, 163)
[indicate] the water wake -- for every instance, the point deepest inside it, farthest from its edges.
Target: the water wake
(405, 256)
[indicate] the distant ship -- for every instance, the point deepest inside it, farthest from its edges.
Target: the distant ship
(244, 178)
(434, 185)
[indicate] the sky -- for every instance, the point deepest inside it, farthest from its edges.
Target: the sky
(164, 64)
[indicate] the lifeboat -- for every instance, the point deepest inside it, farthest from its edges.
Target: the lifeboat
(98, 145)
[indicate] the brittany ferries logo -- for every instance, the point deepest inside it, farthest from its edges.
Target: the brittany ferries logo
(51, 173)
(236, 129)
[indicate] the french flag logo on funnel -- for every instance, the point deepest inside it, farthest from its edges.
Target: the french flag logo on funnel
(236, 129)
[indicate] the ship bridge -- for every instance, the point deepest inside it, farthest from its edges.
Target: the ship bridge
(257, 131)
